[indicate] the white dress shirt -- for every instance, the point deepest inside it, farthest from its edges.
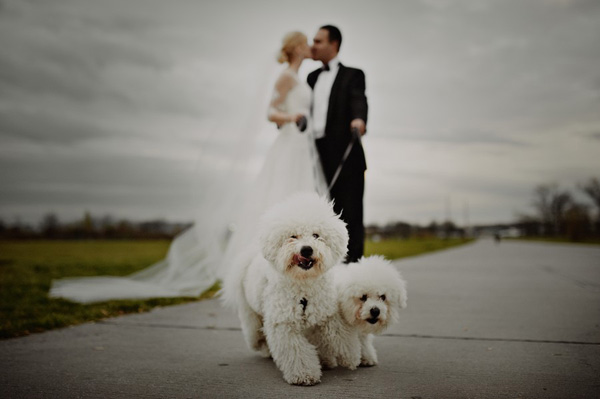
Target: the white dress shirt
(321, 93)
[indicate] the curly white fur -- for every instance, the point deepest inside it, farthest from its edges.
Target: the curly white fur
(370, 294)
(282, 290)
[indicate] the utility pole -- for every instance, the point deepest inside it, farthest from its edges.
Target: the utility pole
(466, 217)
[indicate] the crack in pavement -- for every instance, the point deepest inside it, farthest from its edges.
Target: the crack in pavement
(537, 341)
(422, 336)
(177, 326)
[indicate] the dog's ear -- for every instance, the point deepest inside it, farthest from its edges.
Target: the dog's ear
(270, 231)
(269, 242)
(400, 296)
(337, 235)
(389, 277)
(345, 296)
(403, 298)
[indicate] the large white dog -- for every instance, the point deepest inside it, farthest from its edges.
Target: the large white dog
(370, 294)
(282, 290)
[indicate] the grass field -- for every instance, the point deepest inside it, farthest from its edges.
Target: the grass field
(28, 267)
(397, 249)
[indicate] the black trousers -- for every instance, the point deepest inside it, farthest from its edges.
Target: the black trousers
(347, 194)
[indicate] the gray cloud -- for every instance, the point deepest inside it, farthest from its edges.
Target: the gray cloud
(52, 52)
(133, 186)
(69, 53)
(56, 129)
(594, 135)
(463, 137)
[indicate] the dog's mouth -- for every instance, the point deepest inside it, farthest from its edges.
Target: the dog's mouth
(302, 262)
(373, 320)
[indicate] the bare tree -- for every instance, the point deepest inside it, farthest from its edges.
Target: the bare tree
(592, 189)
(551, 204)
(50, 225)
(541, 203)
(577, 221)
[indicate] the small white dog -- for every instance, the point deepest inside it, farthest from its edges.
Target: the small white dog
(370, 294)
(282, 290)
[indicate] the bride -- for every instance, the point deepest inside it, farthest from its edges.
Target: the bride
(200, 256)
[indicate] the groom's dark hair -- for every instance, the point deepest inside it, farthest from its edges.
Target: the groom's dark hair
(334, 34)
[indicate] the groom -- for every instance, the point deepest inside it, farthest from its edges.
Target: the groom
(340, 106)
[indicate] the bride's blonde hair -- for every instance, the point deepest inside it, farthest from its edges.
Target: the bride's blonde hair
(289, 43)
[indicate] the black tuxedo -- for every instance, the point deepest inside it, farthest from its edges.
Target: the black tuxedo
(347, 101)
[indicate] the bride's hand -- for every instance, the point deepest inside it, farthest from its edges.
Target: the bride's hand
(295, 118)
(291, 118)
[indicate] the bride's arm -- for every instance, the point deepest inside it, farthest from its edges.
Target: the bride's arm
(284, 84)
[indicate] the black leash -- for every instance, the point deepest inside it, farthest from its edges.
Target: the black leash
(355, 137)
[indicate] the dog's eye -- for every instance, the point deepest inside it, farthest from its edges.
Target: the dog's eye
(382, 297)
(315, 236)
(363, 298)
(294, 237)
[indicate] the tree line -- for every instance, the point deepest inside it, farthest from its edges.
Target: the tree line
(557, 212)
(89, 227)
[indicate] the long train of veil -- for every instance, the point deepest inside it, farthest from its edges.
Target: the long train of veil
(199, 256)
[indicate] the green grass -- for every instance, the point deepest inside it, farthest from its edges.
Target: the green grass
(28, 267)
(397, 249)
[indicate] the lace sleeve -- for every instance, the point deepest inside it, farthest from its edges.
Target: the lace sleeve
(277, 112)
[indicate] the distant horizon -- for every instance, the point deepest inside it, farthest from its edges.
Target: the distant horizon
(459, 214)
(35, 225)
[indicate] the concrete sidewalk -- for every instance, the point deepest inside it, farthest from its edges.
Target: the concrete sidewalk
(514, 320)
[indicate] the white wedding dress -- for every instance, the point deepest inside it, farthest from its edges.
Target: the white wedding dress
(201, 255)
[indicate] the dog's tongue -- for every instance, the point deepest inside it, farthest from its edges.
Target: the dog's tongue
(302, 261)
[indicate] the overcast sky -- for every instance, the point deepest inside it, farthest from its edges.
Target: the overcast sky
(126, 107)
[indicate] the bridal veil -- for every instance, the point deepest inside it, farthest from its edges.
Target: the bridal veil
(229, 160)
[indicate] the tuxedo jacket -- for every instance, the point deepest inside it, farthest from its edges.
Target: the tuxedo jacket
(347, 101)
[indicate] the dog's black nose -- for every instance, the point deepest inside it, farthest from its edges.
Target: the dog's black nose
(306, 251)
(374, 312)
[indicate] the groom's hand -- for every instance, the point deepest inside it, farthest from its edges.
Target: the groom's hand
(360, 125)
(302, 123)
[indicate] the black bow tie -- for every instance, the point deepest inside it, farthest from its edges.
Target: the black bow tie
(326, 67)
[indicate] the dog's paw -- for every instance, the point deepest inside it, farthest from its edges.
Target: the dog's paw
(263, 350)
(328, 363)
(349, 358)
(349, 362)
(304, 375)
(368, 362)
(368, 356)
(348, 355)
(304, 379)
